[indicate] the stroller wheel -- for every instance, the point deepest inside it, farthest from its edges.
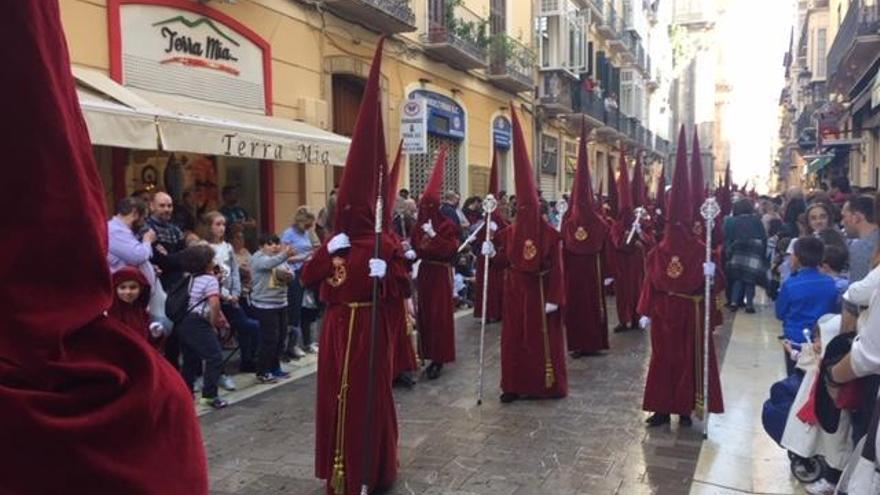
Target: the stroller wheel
(807, 470)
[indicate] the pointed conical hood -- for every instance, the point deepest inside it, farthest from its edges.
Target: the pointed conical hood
(698, 183)
(639, 190)
(391, 187)
(494, 181)
(624, 193)
(430, 197)
(583, 230)
(676, 264)
(528, 225)
(612, 188)
(366, 162)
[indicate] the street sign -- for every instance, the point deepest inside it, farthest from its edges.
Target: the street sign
(414, 126)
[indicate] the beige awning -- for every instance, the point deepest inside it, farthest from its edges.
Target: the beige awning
(112, 115)
(119, 116)
(190, 125)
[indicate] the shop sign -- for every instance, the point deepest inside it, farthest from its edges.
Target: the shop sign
(414, 126)
(445, 116)
(501, 133)
(244, 146)
(179, 52)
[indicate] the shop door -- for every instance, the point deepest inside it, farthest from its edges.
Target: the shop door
(420, 165)
(348, 91)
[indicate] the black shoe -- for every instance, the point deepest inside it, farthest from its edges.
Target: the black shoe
(576, 354)
(685, 421)
(433, 371)
(404, 380)
(657, 419)
(620, 328)
(733, 308)
(635, 325)
(750, 310)
(507, 397)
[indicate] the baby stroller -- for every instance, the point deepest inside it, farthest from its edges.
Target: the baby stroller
(810, 449)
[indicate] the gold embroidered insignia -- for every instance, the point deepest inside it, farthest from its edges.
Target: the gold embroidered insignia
(581, 234)
(529, 250)
(674, 269)
(339, 273)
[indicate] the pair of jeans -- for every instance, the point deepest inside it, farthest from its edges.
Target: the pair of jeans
(740, 290)
(199, 343)
(247, 331)
(295, 293)
(273, 325)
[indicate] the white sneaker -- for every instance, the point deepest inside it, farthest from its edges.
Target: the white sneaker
(821, 487)
(226, 383)
(299, 353)
(198, 384)
(312, 349)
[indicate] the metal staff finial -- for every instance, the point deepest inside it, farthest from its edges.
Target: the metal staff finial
(490, 204)
(709, 210)
(638, 214)
(561, 208)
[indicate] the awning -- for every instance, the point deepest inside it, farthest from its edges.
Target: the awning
(818, 164)
(119, 116)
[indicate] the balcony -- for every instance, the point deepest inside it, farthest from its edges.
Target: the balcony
(511, 64)
(608, 26)
(661, 146)
(555, 92)
(384, 16)
(648, 142)
(591, 106)
(598, 8)
(856, 46)
(455, 35)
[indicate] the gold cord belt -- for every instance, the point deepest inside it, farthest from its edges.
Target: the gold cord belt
(548, 363)
(338, 477)
(699, 400)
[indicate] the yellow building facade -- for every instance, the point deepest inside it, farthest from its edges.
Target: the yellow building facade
(276, 85)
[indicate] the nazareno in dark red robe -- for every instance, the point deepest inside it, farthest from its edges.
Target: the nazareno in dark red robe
(526, 357)
(628, 261)
(346, 289)
(586, 314)
(86, 405)
(435, 315)
(672, 297)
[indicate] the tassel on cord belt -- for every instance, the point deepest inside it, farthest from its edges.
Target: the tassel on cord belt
(337, 480)
(699, 401)
(549, 375)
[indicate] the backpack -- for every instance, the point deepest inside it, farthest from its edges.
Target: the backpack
(177, 301)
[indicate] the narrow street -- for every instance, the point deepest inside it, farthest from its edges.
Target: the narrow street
(592, 442)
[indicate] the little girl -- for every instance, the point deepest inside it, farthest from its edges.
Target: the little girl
(132, 295)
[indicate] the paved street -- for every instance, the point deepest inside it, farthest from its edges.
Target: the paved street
(592, 442)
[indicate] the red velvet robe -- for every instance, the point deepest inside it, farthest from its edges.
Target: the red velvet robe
(523, 352)
(675, 371)
(586, 313)
(628, 261)
(435, 318)
(495, 297)
(343, 279)
(86, 405)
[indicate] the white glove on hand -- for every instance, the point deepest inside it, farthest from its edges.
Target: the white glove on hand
(550, 307)
(338, 242)
(488, 249)
(659, 211)
(708, 269)
(608, 282)
(493, 227)
(409, 254)
(378, 267)
(644, 322)
(156, 330)
(428, 228)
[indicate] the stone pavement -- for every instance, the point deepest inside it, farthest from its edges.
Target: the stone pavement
(592, 442)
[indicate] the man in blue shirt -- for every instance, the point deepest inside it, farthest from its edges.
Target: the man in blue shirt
(806, 295)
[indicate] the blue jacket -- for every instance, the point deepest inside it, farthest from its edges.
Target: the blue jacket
(805, 296)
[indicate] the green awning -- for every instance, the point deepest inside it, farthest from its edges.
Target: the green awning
(818, 164)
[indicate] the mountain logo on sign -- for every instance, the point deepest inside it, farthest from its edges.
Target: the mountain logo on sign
(189, 50)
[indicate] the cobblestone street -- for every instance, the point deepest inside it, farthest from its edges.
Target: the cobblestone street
(592, 442)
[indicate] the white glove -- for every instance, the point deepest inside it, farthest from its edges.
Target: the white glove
(338, 242)
(493, 227)
(550, 307)
(709, 269)
(488, 249)
(156, 330)
(608, 282)
(659, 211)
(428, 228)
(644, 322)
(378, 267)
(409, 254)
